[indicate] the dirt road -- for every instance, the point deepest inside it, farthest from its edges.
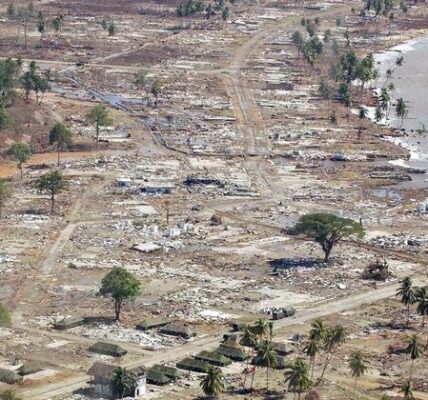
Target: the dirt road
(210, 343)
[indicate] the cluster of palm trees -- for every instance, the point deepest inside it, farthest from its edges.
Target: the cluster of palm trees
(298, 375)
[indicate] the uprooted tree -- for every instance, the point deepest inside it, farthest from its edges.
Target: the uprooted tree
(120, 285)
(327, 230)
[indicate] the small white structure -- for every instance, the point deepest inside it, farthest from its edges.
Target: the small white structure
(140, 390)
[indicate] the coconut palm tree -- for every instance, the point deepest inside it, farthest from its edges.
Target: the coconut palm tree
(385, 101)
(407, 294)
(266, 358)
(212, 384)
(297, 377)
(358, 365)
(422, 307)
(262, 329)
(311, 350)
(318, 330)
(333, 338)
(401, 110)
(407, 391)
(249, 339)
(414, 350)
(121, 383)
(422, 303)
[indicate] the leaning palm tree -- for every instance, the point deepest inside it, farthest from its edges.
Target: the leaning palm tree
(266, 358)
(414, 350)
(358, 366)
(121, 383)
(407, 294)
(297, 377)
(407, 391)
(333, 338)
(212, 384)
(401, 110)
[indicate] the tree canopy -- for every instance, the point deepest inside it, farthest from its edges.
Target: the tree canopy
(21, 152)
(120, 285)
(99, 116)
(61, 135)
(53, 183)
(327, 230)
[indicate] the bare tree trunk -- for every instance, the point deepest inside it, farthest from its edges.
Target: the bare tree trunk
(21, 169)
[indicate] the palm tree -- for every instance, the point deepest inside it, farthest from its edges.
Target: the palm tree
(333, 338)
(385, 101)
(318, 330)
(414, 350)
(407, 294)
(262, 329)
(407, 391)
(422, 303)
(249, 339)
(311, 350)
(401, 110)
(212, 384)
(265, 357)
(358, 366)
(297, 377)
(121, 383)
(422, 307)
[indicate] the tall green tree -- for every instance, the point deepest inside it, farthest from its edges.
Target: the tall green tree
(297, 377)
(266, 358)
(422, 307)
(52, 183)
(407, 294)
(61, 136)
(327, 230)
(414, 351)
(99, 116)
(122, 384)
(5, 194)
(358, 364)
(334, 337)
(120, 285)
(212, 384)
(21, 152)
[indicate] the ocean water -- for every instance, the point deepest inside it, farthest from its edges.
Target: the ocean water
(411, 83)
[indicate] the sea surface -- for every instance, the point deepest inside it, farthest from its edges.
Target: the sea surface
(411, 83)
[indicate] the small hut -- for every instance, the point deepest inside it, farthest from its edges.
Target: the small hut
(108, 349)
(232, 351)
(214, 358)
(191, 364)
(177, 329)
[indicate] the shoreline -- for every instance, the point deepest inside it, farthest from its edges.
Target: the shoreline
(411, 87)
